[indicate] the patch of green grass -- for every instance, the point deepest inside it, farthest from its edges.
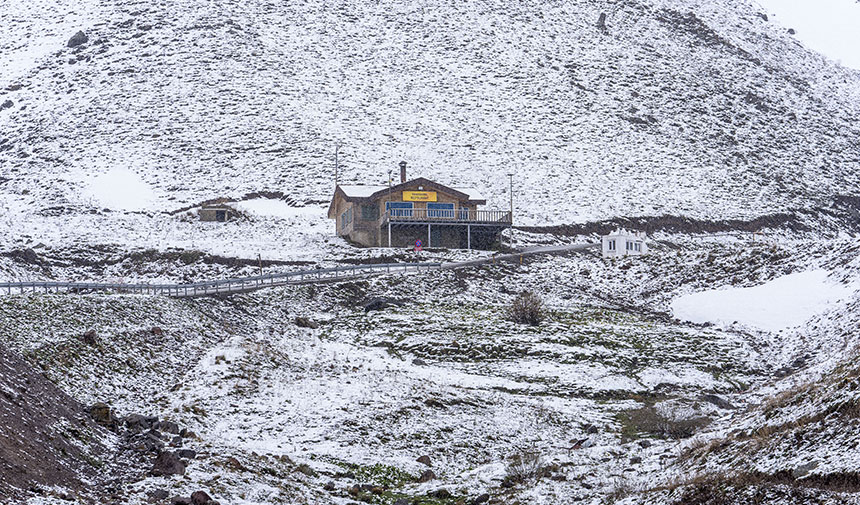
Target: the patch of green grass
(382, 475)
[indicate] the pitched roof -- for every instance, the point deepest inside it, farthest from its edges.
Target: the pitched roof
(353, 192)
(366, 191)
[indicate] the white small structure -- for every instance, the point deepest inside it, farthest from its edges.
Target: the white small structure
(623, 242)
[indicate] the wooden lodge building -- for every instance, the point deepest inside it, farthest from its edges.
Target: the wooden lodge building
(416, 210)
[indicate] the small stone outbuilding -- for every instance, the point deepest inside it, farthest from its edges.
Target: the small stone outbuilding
(218, 213)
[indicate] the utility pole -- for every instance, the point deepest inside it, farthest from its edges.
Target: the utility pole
(511, 191)
(388, 210)
(336, 166)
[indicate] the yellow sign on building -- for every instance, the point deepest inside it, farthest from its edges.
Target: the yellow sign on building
(419, 196)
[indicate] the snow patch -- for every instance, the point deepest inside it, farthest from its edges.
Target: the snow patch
(784, 302)
(265, 207)
(120, 189)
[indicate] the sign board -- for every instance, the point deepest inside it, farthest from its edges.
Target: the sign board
(419, 196)
(418, 245)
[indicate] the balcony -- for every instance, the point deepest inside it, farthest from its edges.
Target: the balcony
(446, 216)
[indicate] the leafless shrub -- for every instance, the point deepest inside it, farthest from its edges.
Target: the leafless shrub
(648, 420)
(527, 308)
(619, 490)
(523, 466)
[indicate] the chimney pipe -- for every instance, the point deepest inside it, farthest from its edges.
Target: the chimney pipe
(402, 172)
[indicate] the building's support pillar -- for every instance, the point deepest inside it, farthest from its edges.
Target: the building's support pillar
(389, 234)
(469, 237)
(428, 235)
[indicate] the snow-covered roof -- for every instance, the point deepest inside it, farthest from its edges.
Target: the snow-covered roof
(622, 232)
(365, 191)
(473, 193)
(360, 191)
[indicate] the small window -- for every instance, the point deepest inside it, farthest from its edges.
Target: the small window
(346, 217)
(612, 245)
(369, 212)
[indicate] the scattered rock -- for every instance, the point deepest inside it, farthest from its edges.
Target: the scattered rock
(442, 494)
(6, 105)
(139, 423)
(329, 486)
(718, 401)
(432, 402)
(167, 427)
(401, 501)
(180, 500)
(200, 498)
(762, 15)
(144, 442)
(803, 470)
(91, 338)
(78, 39)
(419, 362)
(168, 463)
(424, 460)
(234, 464)
(14, 87)
(635, 460)
(304, 322)
(484, 498)
(427, 476)
(186, 453)
(103, 415)
(381, 303)
(791, 31)
(158, 495)
(155, 330)
(590, 429)
(644, 444)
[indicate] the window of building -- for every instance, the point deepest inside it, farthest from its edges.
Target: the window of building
(463, 213)
(346, 217)
(440, 210)
(399, 209)
(612, 245)
(369, 212)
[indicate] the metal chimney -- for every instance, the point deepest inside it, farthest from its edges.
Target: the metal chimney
(402, 172)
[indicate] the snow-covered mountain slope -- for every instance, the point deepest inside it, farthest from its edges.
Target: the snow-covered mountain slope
(293, 388)
(682, 107)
